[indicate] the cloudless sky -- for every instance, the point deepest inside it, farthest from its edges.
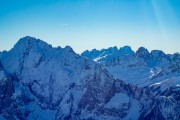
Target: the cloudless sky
(88, 24)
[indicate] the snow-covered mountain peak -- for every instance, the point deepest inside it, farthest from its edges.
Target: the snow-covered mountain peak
(28, 42)
(30, 53)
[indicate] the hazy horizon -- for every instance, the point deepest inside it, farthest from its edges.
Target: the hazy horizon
(89, 24)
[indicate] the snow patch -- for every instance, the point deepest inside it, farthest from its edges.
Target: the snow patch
(117, 100)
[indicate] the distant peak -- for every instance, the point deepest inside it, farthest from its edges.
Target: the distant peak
(142, 50)
(157, 52)
(94, 50)
(28, 37)
(26, 40)
(69, 48)
(31, 41)
(113, 49)
(126, 50)
(126, 47)
(176, 56)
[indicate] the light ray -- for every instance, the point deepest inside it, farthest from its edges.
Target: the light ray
(159, 19)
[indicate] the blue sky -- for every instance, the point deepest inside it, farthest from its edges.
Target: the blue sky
(88, 24)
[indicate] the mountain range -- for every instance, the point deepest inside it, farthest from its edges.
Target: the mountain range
(41, 82)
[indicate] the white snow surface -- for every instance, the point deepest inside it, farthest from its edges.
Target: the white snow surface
(117, 100)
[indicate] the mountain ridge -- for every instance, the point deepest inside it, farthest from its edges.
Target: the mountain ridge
(41, 82)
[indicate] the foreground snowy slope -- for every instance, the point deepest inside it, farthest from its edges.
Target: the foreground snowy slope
(39, 82)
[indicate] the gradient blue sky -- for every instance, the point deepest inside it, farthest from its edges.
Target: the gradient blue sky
(88, 24)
